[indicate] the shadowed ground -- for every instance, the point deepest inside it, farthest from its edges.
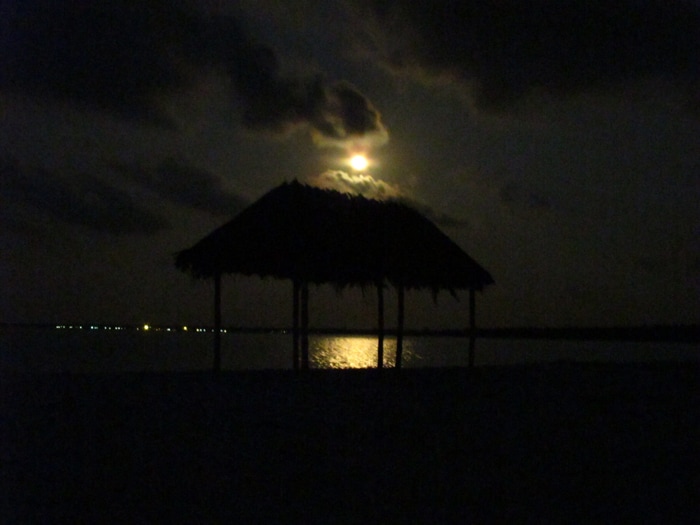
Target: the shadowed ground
(565, 442)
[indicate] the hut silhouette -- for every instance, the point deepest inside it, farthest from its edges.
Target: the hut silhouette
(317, 236)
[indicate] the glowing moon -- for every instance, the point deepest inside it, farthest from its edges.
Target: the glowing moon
(359, 162)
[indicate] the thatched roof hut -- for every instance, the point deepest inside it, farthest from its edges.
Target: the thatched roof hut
(312, 235)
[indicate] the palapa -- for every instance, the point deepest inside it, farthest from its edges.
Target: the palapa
(319, 236)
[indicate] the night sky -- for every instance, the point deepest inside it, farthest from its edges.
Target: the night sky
(556, 142)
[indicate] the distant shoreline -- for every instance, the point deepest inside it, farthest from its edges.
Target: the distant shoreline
(662, 333)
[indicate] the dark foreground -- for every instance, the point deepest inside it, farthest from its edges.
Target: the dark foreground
(564, 443)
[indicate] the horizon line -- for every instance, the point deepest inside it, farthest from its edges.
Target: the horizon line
(684, 332)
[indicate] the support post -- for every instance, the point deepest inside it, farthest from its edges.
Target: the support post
(295, 324)
(305, 325)
(380, 325)
(472, 325)
(399, 327)
(217, 323)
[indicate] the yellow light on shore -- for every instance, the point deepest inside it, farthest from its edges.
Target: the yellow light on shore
(184, 328)
(146, 327)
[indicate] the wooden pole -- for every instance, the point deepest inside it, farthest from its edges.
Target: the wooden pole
(217, 323)
(399, 328)
(380, 325)
(295, 324)
(472, 325)
(305, 325)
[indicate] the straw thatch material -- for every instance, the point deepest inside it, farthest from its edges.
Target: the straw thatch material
(321, 236)
(312, 235)
(293, 232)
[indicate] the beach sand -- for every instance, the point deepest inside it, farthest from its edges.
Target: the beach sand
(564, 442)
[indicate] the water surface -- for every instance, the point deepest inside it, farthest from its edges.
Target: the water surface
(87, 351)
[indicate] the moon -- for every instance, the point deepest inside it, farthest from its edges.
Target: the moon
(359, 162)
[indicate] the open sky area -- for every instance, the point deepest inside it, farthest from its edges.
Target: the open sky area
(556, 142)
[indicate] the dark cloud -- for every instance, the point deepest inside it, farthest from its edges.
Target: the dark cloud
(344, 114)
(335, 111)
(112, 57)
(124, 57)
(186, 185)
(79, 199)
(499, 51)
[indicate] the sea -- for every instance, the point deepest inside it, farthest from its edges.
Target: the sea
(51, 350)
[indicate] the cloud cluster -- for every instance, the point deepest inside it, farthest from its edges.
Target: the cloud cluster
(355, 184)
(500, 52)
(124, 57)
(368, 186)
(186, 185)
(78, 199)
(86, 200)
(346, 116)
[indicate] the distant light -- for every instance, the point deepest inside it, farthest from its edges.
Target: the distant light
(184, 328)
(146, 327)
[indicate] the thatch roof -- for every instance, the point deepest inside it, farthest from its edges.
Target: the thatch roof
(323, 236)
